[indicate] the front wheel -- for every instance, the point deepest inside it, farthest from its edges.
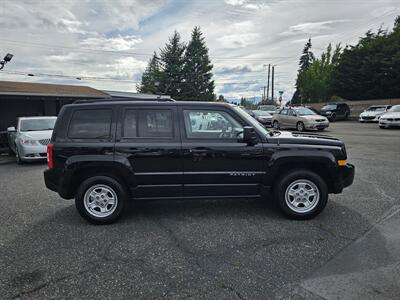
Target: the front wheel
(100, 200)
(300, 126)
(276, 125)
(301, 194)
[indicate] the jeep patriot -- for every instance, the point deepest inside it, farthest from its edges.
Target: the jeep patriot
(106, 153)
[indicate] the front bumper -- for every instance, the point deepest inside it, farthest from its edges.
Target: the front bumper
(368, 119)
(316, 125)
(347, 173)
(29, 152)
(389, 123)
(346, 178)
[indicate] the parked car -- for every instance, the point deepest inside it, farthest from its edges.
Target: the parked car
(300, 118)
(373, 113)
(29, 140)
(313, 109)
(390, 118)
(271, 109)
(336, 111)
(105, 153)
(263, 117)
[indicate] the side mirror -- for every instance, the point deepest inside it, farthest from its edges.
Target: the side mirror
(11, 129)
(249, 135)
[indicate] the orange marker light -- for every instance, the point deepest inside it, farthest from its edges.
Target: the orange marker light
(342, 162)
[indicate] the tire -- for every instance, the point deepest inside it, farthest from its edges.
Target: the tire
(321, 129)
(104, 189)
(346, 116)
(291, 183)
(333, 117)
(275, 125)
(300, 126)
(18, 158)
(382, 127)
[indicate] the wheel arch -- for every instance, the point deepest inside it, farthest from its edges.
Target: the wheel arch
(78, 171)
(323, 165)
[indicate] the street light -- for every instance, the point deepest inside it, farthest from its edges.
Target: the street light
(5, 60)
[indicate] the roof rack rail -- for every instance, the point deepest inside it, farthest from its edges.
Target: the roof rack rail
(158, 99)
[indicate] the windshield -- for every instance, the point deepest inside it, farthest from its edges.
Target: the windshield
(329, 107)
(37, 124)
(268, 107)
(259, 113)
(395, 108)
(251, 120)
(376, 108)
(303, 111)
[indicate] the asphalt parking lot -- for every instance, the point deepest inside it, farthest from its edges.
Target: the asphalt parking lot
(225, 249)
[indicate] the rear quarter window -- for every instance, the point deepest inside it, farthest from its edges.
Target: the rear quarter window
(90, 124)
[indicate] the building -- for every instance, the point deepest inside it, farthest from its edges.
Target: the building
(22, 99)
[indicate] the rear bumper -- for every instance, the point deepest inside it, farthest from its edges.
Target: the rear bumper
(50, 180)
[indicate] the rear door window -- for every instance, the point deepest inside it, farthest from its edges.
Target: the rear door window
(148, 123)
(90, 124)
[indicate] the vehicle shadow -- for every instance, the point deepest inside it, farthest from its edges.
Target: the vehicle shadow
(174, 247)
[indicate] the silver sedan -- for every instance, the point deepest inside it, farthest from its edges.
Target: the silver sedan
(300, 118)
(30, 138)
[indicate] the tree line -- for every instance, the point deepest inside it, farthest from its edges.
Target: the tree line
(182, 71)
(368, 70)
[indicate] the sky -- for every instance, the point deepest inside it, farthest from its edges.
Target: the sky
(107, 43)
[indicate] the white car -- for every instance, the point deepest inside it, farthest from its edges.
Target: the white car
(30, 139)
(391, 118)
(373, 113)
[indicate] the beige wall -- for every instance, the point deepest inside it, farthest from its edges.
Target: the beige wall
(357, 107)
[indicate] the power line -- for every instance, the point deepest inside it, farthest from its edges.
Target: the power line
(129, 53)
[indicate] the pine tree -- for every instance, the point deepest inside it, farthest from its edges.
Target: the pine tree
(197, 84)
(151, 77)
(171, 57)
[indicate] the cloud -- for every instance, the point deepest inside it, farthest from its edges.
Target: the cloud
(310, 27)
(100, 38)
(118, 43)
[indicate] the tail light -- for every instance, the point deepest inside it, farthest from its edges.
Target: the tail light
(50, 163)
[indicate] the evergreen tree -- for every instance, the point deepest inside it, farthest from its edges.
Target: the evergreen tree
(197, 84)
(306, 60)
(370, 69)
(151, 77)
(171, 57)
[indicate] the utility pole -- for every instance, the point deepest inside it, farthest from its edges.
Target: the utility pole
(269, 70)
(272, 81)
(263, 97)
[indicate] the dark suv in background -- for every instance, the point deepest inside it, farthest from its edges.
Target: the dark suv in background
(336, 111)
(105, 153)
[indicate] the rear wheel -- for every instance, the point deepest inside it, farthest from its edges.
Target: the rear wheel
(300, 126)
(333, 117)
(301, 194)
(101, 200)
(276, 125)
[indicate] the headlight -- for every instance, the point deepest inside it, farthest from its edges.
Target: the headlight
(28, 142)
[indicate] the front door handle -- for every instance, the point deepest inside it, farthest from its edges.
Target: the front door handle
(198, 150)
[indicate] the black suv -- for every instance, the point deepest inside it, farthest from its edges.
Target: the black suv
(336, 111)
(106, 153)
